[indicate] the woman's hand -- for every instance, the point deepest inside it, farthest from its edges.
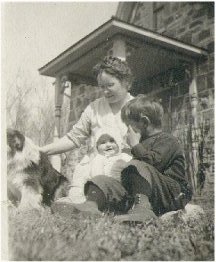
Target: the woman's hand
(62, 145)
(133, 138)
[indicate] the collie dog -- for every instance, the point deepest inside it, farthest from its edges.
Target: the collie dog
(32, 182)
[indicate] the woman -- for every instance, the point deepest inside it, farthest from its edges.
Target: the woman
(114, 77)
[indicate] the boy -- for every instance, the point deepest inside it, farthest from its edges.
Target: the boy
(156, 175)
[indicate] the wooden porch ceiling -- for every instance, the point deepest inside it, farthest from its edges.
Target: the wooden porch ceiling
(151, 53)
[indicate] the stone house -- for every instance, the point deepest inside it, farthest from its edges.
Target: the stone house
(170, 48)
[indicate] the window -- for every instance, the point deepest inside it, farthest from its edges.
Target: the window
(142, 15)
(149, 15)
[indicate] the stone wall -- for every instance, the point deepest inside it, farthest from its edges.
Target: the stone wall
(192, 23)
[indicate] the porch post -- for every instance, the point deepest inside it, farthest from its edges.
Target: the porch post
(118, 48)
(58, 105)
(59, 96)
(122, 49)
(60, 87)
(194, 161)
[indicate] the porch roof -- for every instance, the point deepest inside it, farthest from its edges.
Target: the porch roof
(154, 52)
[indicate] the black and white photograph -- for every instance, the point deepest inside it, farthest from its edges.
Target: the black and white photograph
(107, 113)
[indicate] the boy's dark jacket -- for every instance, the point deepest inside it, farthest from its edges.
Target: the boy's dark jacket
(163, 151)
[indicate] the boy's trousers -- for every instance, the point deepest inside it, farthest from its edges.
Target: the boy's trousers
(164, 193)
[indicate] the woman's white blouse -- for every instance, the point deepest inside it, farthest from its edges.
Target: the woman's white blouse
(97, 115)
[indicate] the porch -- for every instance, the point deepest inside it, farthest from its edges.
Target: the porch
(162, 67)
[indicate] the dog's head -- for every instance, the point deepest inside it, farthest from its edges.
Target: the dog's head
(15, 142)
(20, 149)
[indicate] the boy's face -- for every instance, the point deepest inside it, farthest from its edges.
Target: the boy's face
(138, 127)
(107, 146)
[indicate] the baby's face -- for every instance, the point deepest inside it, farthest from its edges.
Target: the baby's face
(107, 147)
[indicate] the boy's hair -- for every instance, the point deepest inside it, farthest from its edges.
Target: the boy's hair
(116, 67)
(103, 138)
(142, 106)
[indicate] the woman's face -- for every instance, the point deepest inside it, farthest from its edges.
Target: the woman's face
(112, 87)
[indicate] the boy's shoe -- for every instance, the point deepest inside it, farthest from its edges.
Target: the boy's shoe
(140, 212)
(66, 207)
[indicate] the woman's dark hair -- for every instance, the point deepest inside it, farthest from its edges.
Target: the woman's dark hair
(143, 106)
(116, 67)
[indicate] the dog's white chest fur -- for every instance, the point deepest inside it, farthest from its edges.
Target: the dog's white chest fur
(15, 182)
(15, 177)
(18, 191)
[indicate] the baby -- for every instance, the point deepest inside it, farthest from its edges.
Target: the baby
(108, 161)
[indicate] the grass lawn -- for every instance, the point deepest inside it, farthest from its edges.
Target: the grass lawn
(44, 236)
